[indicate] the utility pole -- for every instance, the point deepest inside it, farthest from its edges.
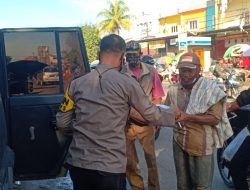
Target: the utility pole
(145, 25)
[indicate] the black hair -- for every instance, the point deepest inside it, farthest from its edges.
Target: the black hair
(112, 43)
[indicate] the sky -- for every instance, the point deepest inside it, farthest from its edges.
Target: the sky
(62, 13)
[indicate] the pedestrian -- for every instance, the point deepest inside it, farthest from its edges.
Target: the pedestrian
(148, 78)
(241, 160)
(221, 69)
(97, 106)
(201, 127)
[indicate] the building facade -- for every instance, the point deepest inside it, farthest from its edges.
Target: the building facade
(207, 31)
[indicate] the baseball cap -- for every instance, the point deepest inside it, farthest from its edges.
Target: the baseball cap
(133, 47)
(189, 60)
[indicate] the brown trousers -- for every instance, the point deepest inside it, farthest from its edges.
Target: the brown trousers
(145, 135)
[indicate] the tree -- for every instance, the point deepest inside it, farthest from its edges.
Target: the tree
(92, 40)
(116, 17)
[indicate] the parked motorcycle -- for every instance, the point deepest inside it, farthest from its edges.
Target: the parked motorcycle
(232, 83)
(238, 120)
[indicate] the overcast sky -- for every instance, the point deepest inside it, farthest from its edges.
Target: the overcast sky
(52, 13)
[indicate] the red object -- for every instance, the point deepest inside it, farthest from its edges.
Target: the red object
(245, 62)
(174, 77)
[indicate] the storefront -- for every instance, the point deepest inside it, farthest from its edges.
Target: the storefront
(202, 47)
(155, 48)
(171, 45)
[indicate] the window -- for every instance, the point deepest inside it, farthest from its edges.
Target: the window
(72, 61)
(34, 66)
(213, 21)
(174, 29)
(193, 25)
(247, 18)
(28, 56)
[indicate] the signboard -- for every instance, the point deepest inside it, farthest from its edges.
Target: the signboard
(196, 41)
(144, 44)
(182, 42)
(157, 44)
(173, 41)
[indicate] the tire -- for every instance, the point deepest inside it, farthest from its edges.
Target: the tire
(223, 168)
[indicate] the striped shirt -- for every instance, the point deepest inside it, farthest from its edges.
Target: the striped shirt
(195, 139)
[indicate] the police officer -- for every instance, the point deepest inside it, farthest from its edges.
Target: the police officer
(98, 107)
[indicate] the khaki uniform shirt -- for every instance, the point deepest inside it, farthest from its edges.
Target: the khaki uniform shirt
(102, 102)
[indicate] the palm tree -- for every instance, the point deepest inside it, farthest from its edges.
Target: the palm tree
(116, 17)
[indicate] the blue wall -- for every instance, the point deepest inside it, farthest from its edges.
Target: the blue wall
(210, 18)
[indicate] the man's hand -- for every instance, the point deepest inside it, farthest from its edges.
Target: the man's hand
(179, 115)
(183, 117)
(232, 106)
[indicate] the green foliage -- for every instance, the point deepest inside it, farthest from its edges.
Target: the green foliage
(115, 17)
(92, 40)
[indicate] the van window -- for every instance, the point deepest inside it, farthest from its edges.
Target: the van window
(72, 61)
(31, 56)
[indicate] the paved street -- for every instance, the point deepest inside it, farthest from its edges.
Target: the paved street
(166, 164)
(165, 168)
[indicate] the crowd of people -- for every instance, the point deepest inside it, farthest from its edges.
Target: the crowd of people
(118, 103)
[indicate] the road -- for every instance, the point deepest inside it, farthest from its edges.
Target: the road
(165, 168)
(165, 163)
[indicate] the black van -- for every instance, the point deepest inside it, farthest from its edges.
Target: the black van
(30, 147)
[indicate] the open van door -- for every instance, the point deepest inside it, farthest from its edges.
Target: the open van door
(6, 154)
(31, 106)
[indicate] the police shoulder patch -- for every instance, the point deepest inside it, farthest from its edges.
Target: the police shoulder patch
(67, 103)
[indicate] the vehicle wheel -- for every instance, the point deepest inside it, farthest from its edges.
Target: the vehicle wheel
(157, 133)
(223, 168)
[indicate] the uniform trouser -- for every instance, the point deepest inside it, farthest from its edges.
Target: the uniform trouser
(84, 179)
(145, 135)
(193, 172)
(239, 165)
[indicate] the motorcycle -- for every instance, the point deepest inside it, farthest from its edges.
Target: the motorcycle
(238, 119)
(232, 83)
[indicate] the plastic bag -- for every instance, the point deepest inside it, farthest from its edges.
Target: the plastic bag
(235, 144)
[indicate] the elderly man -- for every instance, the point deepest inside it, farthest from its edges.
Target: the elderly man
(97, 105)
(202, 125)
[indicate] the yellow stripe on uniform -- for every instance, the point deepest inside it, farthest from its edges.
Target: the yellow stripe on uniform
(67, 103)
